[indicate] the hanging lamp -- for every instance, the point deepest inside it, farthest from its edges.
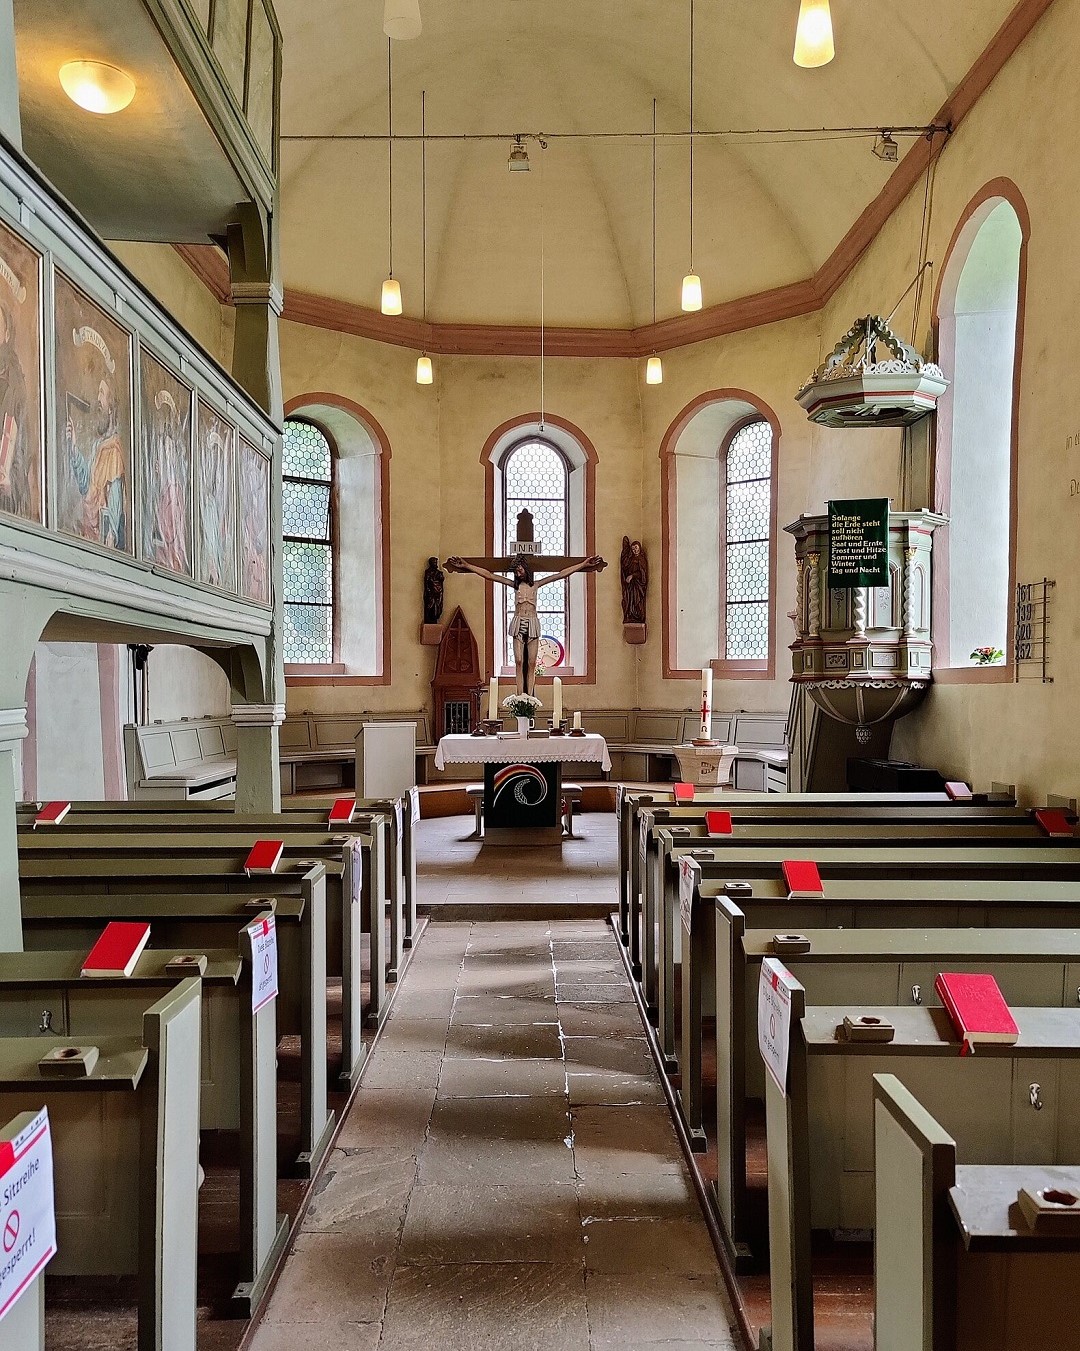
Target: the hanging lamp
(391, 288)
(424, 373)
(654, 367)
(691, 283)
(401, 19)
(814, 35)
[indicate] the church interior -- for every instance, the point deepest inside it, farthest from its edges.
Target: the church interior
(535, 769)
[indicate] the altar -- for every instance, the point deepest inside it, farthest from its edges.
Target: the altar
(523, 780)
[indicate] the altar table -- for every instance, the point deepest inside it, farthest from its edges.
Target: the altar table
(523, 780)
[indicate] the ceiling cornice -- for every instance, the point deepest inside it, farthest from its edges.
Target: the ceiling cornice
(732, 316)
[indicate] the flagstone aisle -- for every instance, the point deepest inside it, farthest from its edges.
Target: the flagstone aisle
(508, 1176)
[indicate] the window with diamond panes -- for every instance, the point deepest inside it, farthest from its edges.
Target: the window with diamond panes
(307, 557)
(535, 475)
(747, 516)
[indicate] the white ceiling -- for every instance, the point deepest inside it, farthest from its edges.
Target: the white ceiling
(766, 213)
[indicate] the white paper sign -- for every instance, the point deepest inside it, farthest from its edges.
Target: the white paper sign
(399, 814)
(264, 986)
(686, 891)
(414, 805)
(28, 1238)
(774, 1019)
(643, 833)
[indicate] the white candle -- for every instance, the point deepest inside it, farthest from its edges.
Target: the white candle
(493, 698)
(577, 721)
(706, 703)
(556, 704)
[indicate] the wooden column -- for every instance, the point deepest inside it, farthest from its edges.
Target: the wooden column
(256, 293)
(12, 730)
(10, 123)
(258, 777)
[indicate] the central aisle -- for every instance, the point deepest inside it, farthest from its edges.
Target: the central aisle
(508, 1176)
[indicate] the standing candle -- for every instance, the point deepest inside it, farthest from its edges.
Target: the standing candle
(556, 702)
(577, 722)
(706, 703)
(493, 699)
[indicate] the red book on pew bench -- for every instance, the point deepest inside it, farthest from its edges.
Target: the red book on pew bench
(264, 857)
(684, 792)
(977, 1009)
(343, 811)
(117, 950)
(1054, 821)
(803, 879)
(718, 823)
(51, 814)
(959, 792)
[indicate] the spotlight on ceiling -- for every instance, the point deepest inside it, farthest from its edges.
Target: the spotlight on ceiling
(518, 163)
(96, 86)
(885, 148)
(401, 19)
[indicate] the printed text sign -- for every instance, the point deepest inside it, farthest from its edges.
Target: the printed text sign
(686, 891)
(774, 1019)
(28, 1238)
(859, 543)
(264, 985)
(414, 805)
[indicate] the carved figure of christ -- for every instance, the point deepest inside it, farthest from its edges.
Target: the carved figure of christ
(522, 567)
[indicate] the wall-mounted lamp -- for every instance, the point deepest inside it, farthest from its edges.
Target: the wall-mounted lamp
(96, 86)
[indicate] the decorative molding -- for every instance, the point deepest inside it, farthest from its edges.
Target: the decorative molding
(258, 293)
(257, 715)
(13, 727)
(764, 307)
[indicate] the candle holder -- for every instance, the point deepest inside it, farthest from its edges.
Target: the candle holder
(492, 726)
(704, 741)
(577, 731)
(558, 729)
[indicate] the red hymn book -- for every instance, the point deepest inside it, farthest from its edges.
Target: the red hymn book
(343, 811)
(718, 823)
(977, 1008)
(684, 792)
(117, 950)
(959, 792)
(264, 857)
(802, 878)
(1054, 821)
(52, 813)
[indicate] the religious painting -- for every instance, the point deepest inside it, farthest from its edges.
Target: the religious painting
(20, 378)
(165, 536)
(215, 499)
(254, 524)
(93, 413)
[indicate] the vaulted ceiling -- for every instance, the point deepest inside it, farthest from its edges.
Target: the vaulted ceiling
(768, 210)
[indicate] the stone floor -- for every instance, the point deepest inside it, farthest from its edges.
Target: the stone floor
(508, 1176)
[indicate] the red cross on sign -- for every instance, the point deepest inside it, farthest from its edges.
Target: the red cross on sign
(11, 1230)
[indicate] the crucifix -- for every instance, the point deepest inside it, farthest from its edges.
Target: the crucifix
(523, 565)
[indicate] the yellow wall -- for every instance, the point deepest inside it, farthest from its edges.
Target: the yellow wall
(169, 279)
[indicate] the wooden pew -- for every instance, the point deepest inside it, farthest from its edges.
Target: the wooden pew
(238, 1058)
(355, 891)
(59, 910)
(820, 1133)
(1036, 967)
(23, 1326)
(954, 1270)
(126, 1159)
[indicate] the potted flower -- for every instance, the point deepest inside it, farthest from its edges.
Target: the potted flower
(522, 707)
(987, 656)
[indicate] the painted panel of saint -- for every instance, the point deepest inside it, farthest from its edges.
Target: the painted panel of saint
(165, 468)
(215, 499)
(254, 524)
(93, 413)
(20, 378)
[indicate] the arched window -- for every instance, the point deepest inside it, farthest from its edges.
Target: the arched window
(718, 486)
(979, 320)
(307, 551)
(535, 477)
(745, 538)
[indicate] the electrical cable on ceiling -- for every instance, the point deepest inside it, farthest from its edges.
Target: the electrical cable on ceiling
(769, 135)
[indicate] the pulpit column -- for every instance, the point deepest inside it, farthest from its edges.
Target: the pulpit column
(907, 594)
(813, 620)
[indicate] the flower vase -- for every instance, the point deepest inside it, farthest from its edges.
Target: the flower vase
(523, 725)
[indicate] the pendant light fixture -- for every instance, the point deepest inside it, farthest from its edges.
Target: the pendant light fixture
(814, 35)
(424, 374)
(391, 287)
(654, 367)
(96, 86)
(691, 285)
(401, 19)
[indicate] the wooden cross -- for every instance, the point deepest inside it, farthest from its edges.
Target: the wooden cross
(542, 563)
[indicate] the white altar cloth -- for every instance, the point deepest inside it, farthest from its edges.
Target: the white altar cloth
(490, 750)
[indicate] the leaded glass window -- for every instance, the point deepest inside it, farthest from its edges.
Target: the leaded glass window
(535, 475)
(747, 520)
(307, 556)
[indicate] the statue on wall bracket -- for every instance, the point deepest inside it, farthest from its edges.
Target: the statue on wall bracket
(431, 630)
(634, 573)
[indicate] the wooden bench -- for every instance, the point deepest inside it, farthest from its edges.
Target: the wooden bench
(820, 1133)
(62, 908)
(762, 762)
(125, 1159)
(953, 1269)
(1037, 966)
(238, 1062)
(193, 759)
(23, 1327)
(318, 750)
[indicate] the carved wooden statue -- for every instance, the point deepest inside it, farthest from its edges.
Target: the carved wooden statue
(434, 584)
(634, 570)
